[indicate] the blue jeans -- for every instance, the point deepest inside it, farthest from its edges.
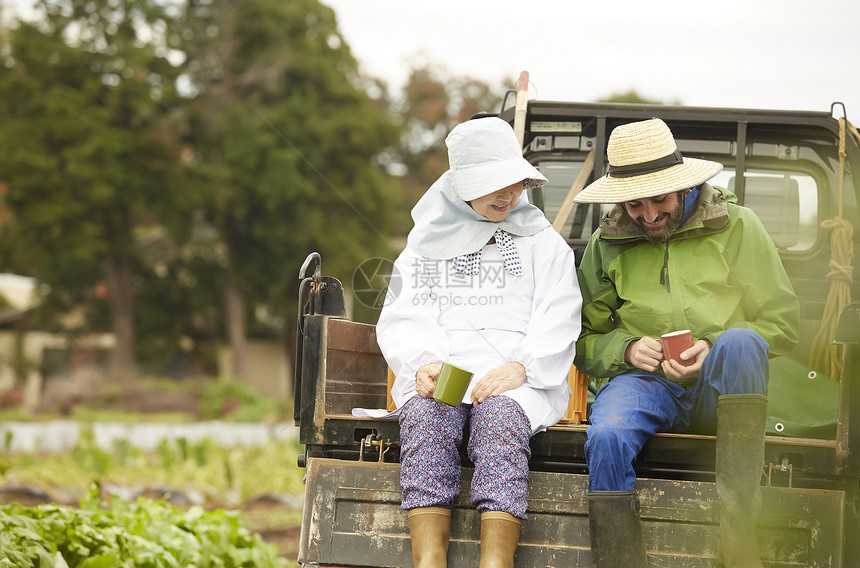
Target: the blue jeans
(632, 407)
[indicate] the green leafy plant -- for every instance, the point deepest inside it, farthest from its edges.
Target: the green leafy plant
(235, 400)
(142, 533)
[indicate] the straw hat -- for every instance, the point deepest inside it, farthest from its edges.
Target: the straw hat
(484, 156)
(644, 161)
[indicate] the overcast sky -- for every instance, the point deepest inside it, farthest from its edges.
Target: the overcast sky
(791, 54)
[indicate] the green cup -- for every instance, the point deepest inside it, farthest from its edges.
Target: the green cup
(451, 384)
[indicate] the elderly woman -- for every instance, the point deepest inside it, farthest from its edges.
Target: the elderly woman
(487, 285)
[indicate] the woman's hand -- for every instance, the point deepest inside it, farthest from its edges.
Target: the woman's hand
(425, 379)
(698, 352)
(645, 353)
(496, 381)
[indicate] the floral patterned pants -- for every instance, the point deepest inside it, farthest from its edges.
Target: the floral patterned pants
(431, 433)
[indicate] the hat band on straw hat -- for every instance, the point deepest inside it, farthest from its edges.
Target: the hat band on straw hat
(648, 167)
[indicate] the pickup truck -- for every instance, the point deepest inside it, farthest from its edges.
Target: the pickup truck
(800, 172)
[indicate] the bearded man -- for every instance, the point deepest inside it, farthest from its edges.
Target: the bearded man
(675, 254)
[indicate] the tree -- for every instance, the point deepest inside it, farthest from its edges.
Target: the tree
(88, 148)
(286, 150)
(433, 103)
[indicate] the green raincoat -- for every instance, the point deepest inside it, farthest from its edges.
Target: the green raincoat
(720, 270)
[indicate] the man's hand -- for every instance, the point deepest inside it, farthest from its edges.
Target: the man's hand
(645, 353)
(425, 379)
(496, 381)
(698, 352)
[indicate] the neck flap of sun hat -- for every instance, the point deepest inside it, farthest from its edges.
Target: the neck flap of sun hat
(447, 227)
(484, 157)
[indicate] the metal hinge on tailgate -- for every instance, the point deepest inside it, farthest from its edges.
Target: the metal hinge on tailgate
(372, 440)
(783, 467)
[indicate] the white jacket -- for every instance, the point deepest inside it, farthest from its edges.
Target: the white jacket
(482, 322)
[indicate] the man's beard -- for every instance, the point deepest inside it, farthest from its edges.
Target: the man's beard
(663, 233)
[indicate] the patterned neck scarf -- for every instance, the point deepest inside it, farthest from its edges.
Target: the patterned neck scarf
(470, 264)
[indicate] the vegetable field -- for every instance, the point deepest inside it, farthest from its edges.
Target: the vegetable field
(185, 504)
(143, 533)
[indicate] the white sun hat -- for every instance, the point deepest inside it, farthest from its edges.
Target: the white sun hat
(644, 162)
(484, 156)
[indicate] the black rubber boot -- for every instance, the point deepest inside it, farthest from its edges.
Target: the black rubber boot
(616, 531)
(739, 462)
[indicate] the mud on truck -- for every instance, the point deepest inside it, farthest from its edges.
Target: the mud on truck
(800, 172)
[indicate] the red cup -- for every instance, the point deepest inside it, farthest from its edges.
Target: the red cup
(676, 343)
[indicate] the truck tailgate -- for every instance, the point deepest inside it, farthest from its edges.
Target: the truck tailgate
(352, 517)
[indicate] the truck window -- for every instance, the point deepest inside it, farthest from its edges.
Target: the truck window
(560, 175)
(550, 197)
(786, 202)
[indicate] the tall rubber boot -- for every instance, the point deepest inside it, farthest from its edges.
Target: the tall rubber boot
(739, 461)
(429, 530)
(616, 530)
(500, 534)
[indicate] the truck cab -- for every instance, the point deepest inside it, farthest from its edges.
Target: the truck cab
(800, 172)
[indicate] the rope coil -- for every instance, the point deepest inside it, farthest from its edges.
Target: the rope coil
(824, 356)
